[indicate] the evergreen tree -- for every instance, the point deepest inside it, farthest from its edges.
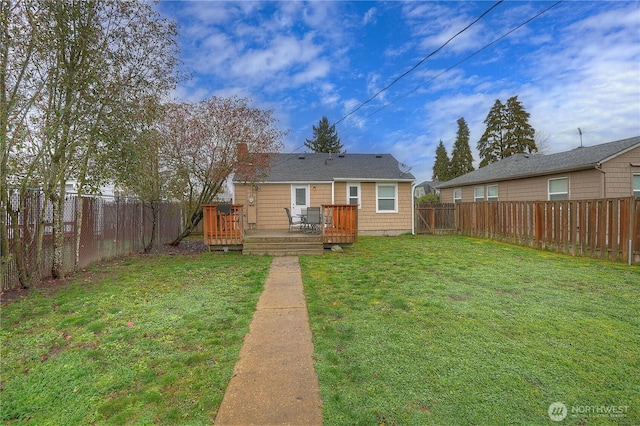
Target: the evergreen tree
(461, 157)
(491, 144)
(441, 164)
(508, 132)
(325, 138)
(520, 135)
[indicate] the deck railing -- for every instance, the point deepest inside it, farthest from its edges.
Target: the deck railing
(222, 224)
(340, 223)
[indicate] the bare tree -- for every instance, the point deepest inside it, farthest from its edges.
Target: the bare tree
(200, 149)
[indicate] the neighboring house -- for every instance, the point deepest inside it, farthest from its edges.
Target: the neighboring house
(424, 188)
(374, 182)
(608, 170)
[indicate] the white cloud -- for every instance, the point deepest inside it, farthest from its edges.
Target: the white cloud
(328, 94)
(369, 16)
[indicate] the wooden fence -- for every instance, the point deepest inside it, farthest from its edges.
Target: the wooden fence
(435, 218)
(602, 228)
(109, 227)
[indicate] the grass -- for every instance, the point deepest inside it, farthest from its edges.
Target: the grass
(149, 340)
(407, 331)
(453, 330)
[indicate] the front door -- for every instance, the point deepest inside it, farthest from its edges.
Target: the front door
(299, 199)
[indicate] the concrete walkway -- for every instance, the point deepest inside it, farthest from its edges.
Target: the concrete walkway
(274, 382)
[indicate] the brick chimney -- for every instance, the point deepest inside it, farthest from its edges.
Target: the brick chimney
(244, 167)
(242, 152)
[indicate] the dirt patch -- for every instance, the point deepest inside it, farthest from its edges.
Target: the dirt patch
(49, 286)
(186, 247)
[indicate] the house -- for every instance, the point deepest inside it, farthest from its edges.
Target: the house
(424, 188)
(609, 170)
(374, 182)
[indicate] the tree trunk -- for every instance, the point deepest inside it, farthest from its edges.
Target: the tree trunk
(18, 251)
(196, 217)
(58, 201)
(154, 221)
(5, 256)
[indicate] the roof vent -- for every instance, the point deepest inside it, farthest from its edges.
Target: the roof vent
(378, 156)
(340, 155)
(301, 157)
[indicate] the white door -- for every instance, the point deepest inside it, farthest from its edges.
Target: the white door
(299, 199)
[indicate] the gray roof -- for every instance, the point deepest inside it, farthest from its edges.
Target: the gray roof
(524, 165)
(320, 167)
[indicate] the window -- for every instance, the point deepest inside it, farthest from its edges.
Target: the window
(558, 189)
(478, 193)
(636, 185)
(457, 195)
(353, 194)
(492, 193)
(387, 198)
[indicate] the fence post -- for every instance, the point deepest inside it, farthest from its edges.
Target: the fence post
(633, 230)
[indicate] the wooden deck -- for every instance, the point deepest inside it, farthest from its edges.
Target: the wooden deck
(224, 230)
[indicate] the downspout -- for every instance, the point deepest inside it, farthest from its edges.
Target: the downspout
(413, 209)
(604, 180)
(333, 192)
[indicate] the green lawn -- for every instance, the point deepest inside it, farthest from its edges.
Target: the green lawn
(149, 340)
(410, 331)
(450, 330)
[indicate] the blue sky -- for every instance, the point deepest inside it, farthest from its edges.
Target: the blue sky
(577, 65)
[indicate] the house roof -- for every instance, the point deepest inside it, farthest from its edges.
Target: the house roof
(321, 167)
(529, 165)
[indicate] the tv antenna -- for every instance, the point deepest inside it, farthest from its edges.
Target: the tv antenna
(580, 132)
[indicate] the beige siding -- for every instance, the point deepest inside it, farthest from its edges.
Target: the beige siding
(270, 200)
(619, 174)
(372, 223)
(615, 180)
(320, 194)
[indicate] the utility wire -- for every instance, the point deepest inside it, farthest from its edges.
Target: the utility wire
(404, 74)
(282, 160)
(436, 76)
(454, 65)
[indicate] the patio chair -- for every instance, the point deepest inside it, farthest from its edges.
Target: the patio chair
(314, 218)
(293, 222)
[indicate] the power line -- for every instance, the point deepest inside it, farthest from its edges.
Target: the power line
(454, 65)
(404, 74)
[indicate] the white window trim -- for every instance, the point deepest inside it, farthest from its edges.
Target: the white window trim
(475, 194)
(492, 198)
(395, 198)
(457, 200)
(633, 189)
(549, 193)
(357, 185)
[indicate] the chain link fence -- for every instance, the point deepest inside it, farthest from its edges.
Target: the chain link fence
(102, 228)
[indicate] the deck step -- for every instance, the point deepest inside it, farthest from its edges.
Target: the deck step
(283, 248)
